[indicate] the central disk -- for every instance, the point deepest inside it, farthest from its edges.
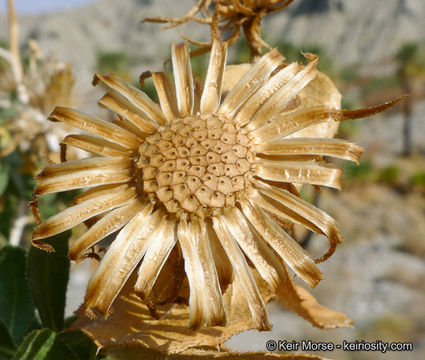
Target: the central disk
(197, 164)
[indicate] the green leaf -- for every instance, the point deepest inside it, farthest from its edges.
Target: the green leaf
(4, 176)
(80, 344)
(60, 350)
(36, 345)
(7, 347)
(16, 307)
(48, 275)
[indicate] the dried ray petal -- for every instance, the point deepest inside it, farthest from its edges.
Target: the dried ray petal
(154, 260)
(307, 211)
(249, 83)
(247, 282)
(122, 257)
(132, 97)
(68, 168)
(280, 98)
(81, 179)
(110, 223)
(255, 249)
(250, 107)
(287, 248)
(307, 172)
(166, 94)
(99, 191)
(96, 145)
(286, 124)
(97, 127)
(129, 112)
(76, 214)
(206, 304)
(223, 265)
(183, 78)
(308, 146)
(211, 95)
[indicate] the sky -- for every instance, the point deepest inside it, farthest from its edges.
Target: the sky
(42, 6)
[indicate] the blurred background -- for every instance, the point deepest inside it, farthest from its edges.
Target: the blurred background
(374, 50)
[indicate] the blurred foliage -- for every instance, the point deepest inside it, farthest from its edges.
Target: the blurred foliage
(114, 62)
(33, 287)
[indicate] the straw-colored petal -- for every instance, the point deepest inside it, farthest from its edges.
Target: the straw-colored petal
(281, 98)
(77, 214)
(131, 96)
(287, 248)
(254, 248)
(154, 260)
(307, 213)
(250, 82)
(99, 191)
(222, 263)
(111, 222)
(166, 94)
(69, 167)
(81, 179)
(206, 304)
(286, 124)
(97, 127)
(243, 274)
(96, 145)
(336, 148)
(299, 172)
(129, 112)
(211, 95)
(122, 257)
(254, 103)
(183, 78)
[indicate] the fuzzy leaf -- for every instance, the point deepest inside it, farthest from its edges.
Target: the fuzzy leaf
(80, 345)
(48, 275)
(16, 307)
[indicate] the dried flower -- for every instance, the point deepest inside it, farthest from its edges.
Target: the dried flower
(199, 187)
(230, 15)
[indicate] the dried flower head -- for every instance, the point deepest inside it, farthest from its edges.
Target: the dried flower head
(39, 87)
(230, 15)
(199, 186)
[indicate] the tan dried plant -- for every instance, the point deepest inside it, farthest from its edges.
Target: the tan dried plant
(40, 86)
(229, 15)
(200, 189)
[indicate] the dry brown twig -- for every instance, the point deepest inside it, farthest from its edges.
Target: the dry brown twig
(229, 15)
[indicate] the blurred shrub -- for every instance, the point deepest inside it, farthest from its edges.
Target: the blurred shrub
(362, 172)
(388, 175)
(114, 62)
(418, 179)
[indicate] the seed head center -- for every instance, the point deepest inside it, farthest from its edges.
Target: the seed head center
(196, 164)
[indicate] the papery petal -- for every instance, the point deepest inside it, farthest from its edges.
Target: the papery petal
(97, 145)
(77, 214)
(110, 223)
(242, 272)
(287, 248)
(166, 94)
(122, 257)
(97, 127)
(131, 97)
(250, 82)
(307, 172)
(211, 95)
(337, 148)
(183, 78)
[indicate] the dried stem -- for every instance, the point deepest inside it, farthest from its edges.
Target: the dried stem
(15, 57)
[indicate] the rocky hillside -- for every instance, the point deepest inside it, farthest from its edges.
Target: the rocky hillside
(361, 31)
